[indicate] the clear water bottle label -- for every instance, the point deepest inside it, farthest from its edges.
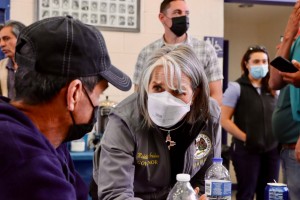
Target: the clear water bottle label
(221, 188)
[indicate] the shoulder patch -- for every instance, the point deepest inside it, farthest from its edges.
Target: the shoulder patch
(203, 146)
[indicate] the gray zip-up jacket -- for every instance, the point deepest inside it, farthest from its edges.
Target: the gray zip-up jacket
(134, 161)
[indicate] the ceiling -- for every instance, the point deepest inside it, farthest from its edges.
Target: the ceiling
(258, 12)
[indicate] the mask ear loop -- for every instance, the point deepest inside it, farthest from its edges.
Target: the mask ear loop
(192, 98)
(191, 101)
(95, 108)
(72, 117)
(167, 18)
(84, 90)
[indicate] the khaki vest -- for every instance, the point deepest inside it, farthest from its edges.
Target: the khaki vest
(3, 77)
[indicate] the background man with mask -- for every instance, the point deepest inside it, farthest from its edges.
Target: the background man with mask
(58, 84)
(174, 17)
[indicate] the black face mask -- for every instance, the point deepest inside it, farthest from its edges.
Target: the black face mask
(77, 131)
(180, 25)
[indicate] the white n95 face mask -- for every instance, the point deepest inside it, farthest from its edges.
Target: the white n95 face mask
(165, 110)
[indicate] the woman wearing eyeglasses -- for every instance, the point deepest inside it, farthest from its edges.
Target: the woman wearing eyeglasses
(250, 101)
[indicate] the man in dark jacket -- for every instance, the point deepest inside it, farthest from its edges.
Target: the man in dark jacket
(63, 68)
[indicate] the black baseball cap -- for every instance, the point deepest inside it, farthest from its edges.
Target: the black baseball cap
(64, 46)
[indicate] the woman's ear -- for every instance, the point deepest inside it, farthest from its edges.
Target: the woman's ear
(74, 92)
(196, 93)
(161, 17)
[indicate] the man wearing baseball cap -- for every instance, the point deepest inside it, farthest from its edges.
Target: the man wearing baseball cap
(63, 68)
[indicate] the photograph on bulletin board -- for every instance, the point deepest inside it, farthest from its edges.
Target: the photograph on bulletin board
(110, 15)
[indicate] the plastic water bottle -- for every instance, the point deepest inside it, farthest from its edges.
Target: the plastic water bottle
(217, 181)
(182, 190)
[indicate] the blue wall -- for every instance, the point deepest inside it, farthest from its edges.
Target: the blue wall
(4, 10)
(269, 2)
(4, 15)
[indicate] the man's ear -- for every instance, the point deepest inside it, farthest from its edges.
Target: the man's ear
(74, 93)
(161, 17)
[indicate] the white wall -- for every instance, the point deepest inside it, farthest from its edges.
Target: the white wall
(206, 20)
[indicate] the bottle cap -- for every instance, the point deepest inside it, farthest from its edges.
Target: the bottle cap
(216, 159)
(183, 177)
(78, 145)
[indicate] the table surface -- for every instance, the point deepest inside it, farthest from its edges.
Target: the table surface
(84, 155)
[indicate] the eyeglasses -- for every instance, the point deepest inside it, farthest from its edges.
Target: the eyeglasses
(257, 47)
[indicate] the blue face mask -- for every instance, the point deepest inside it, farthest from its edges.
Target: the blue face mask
(259, 71)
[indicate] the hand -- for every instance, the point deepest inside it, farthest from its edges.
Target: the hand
(197, 190)
(203, 196)
(292, 78)
(297, 150)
